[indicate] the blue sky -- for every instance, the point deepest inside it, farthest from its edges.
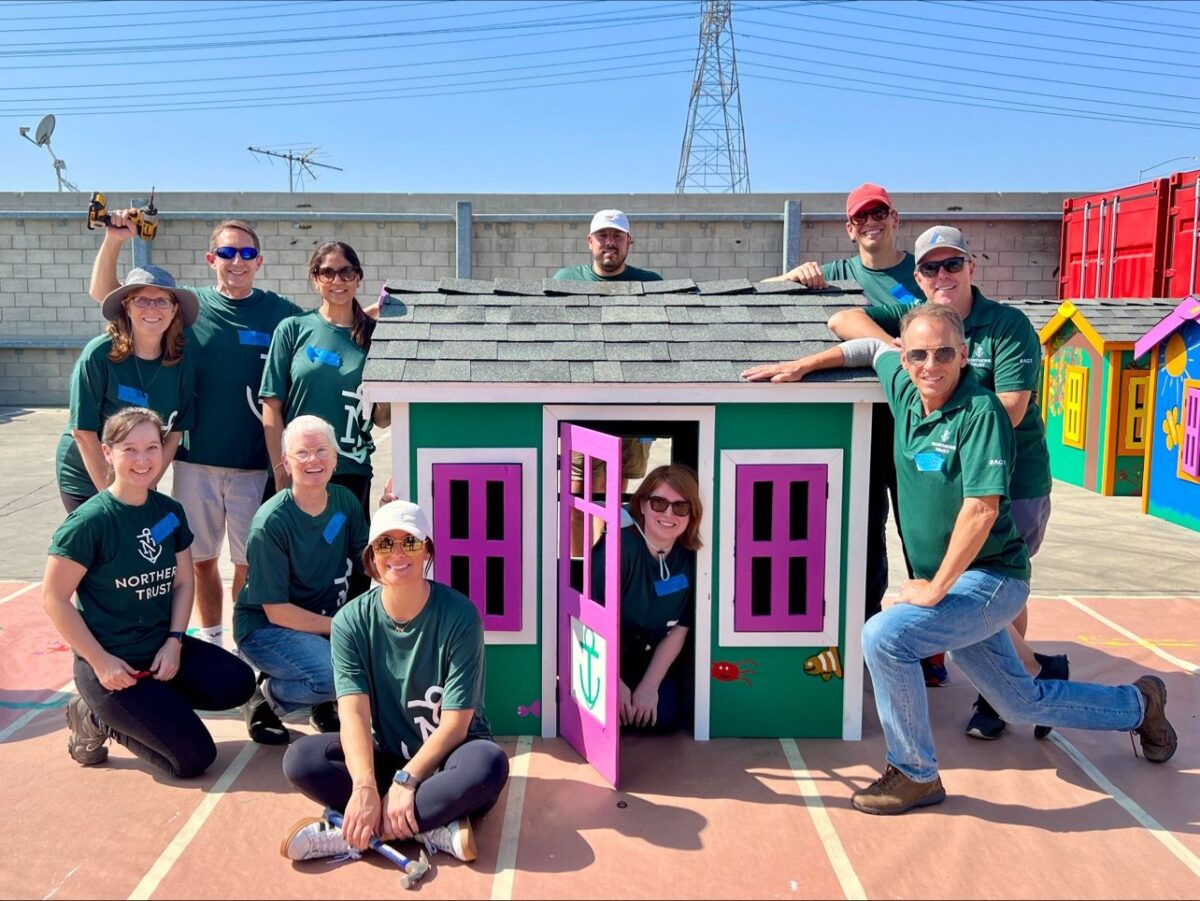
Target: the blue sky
(565, 97)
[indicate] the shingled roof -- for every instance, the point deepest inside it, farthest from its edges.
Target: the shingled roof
(1117, 320)
(668, 332)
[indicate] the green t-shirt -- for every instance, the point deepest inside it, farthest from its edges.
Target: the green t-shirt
(299, 559)
(129, 553)
(585, 273)
(230, 339)
(316, 368)
(1006, 355)
(965, 449)
(411, 674)
(100, 387)
(894, 285)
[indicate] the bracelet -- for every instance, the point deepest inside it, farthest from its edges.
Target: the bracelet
(176, 635)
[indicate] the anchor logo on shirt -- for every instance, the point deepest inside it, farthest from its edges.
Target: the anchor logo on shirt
(149, 548)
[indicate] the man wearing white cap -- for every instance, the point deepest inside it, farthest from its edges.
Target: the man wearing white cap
(609, 241)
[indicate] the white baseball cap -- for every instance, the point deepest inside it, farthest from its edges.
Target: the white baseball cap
(609, 219)
(402, 516)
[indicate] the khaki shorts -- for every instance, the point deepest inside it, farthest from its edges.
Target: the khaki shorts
(215, 497)
(635, 452)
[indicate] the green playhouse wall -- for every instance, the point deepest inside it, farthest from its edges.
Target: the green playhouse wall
(781, 700)
(514, 672)
(1067, 463)
(1129, 468)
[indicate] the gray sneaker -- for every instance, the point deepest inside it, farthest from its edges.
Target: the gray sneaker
(455, 838)
(86, 742)
(313, 838)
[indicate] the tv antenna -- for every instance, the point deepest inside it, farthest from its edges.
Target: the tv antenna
(300, 163)
(41, 137)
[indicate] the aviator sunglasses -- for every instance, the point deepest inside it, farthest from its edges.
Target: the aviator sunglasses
(409, 544)
(659, 505)
(228, 253)
(943, 355)
(953, 265)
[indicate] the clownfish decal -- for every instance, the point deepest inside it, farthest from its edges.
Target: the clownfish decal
(826, 664)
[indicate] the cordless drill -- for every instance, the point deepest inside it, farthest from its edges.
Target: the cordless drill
(144, 219)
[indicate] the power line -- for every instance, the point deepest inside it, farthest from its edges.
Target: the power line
(207, 19)
(1175, 10)
(1025, 15)
(1061, 17)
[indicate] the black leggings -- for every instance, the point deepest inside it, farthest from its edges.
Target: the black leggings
(468, 783)
(72, 502)
(157, 721)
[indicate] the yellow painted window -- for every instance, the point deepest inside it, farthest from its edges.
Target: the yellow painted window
(1134, 389)
(1075, 407)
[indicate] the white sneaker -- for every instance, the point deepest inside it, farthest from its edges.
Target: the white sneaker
(312, 838)
(455, 838)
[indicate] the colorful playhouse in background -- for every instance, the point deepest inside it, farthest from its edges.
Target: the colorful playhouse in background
(493, 384)
(1173, 432)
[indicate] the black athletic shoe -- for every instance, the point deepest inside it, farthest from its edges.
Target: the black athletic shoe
(324, 717)
(262, 723)
(985, 722)
(1054, 666)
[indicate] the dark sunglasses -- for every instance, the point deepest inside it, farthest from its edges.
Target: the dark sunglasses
(943, 355)
(228, 253)
(953, 265)
(875, 214)
(326, 274)
(410, 544)
(660, 504)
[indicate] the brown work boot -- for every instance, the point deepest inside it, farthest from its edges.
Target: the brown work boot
(1157, 735)
(893, 792)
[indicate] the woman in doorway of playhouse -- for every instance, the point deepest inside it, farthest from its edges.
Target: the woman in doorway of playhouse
(658, 595)
(415, 757)
(125, 554)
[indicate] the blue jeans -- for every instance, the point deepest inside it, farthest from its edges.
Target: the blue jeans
(299, 665)
(970, 622)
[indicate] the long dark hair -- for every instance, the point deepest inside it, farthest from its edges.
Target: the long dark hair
(363, 326)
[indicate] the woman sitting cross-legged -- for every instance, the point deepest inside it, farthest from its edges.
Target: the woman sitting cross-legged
(124, 553)
(415, 755)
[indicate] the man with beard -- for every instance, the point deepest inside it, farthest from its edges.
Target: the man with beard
(609, 241)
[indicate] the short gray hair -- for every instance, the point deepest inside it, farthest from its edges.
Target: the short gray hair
(937, 312)
(302, 425)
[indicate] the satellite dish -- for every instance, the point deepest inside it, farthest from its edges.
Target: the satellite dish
(45, 128)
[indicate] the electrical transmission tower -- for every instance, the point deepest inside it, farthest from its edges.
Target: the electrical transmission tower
(300, 163)
(713, 158)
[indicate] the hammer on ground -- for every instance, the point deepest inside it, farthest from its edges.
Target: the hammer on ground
(413, 869)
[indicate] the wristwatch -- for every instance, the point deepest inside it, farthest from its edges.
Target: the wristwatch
(408, 780)
(178, 635)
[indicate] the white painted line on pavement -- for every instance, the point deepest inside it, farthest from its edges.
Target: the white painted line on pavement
(842, 868)
(1148, 645)
(161, 867)
(510, 832)
(1153, 826)
(20, 591)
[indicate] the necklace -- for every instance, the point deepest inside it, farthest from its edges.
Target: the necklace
(145, 386)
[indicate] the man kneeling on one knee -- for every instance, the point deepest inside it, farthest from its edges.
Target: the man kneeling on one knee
(304, 552)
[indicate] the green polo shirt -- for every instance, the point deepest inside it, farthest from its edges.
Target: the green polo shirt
(964, 449)
(411, 672)
(125, 596)
(230, 339)
(100, 387)
(1006, 355)
(585, 273)
(299, 559)
(894, 285)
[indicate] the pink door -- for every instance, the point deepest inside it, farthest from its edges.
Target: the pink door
(589, 632)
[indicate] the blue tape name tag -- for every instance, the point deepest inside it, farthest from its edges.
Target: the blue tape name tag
(903, 295)
(258, 339)
(164, 527)
(130, 395)
(334, 526)
(321, 355)
(929, 462)
(673, 585)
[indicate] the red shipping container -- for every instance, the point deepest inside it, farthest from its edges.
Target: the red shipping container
(1181, 274)
(1113, 243)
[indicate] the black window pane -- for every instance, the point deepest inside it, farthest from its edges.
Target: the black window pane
(760, 586)
(575, 572)
(460, 574)
(797, 586)
(798, 511)
(764, 498)
(495, 511)
(460, 508)
(493, 603)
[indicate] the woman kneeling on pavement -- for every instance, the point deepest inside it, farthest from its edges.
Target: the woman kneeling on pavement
(125, 554)
(415, 757)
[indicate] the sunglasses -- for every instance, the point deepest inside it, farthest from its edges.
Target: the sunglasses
(953, 265)
(228, 253)
(410, 544)
(875, 214)
(943, 355)
(326, 275)
(146, 303)
(660, 504)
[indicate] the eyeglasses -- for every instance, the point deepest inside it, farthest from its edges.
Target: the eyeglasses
(943, 355)
(875, 214)
(158, 303)
(953, 265)
(409, 544)
(326, 275)
(660, 504)
(324, 452)
(228, 253)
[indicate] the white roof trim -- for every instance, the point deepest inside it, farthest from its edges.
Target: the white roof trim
(623, 392)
